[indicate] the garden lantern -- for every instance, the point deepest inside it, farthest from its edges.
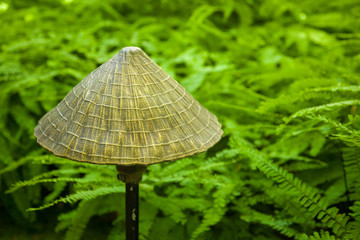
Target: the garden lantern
(130, 113)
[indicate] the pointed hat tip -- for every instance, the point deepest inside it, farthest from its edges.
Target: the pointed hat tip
(130, 49)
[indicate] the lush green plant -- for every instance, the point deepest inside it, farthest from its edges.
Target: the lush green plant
(282, 76)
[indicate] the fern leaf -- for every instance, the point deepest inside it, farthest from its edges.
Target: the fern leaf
(82, 195)
(306, 196)
(353, 231)
(56, 180)
(319, 236)
(212, 216)
(80, 219)
(281, 225)
(148, 215)
(58, 188)
(326, 107)
(351, 157)
(15, 164)
(308, 94)
(179, 176)
(65, 220)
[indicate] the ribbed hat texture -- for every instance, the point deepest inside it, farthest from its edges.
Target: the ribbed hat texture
(128, 111)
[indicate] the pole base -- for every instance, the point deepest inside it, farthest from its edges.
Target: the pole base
(130, 174)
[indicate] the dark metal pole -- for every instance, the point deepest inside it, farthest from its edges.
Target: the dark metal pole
(132, 211)
(131, 176)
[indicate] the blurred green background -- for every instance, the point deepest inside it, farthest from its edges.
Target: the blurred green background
(282, 76)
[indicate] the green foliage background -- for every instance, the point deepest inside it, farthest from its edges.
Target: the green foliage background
(282, 76)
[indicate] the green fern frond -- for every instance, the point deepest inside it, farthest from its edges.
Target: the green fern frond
(341, 132)
(81, 218)
(319, 236)
(52, 159)
(149, 214)
(257, 114)
(207, 167)
(53, 176)
(164, 170)
(175, 206)
(351, 158)
(22, 161)
(353, 231)
(56, 180)
(105, 204)
(61, 172)
(65, 220)
(184, 169)
(82, 195)
(57, 189)
(281, 225)
(282, 200)
(309, 83)
(321, 108)
(302, 166)
(332, 20)
(306, 196)
(213, 215)
(308, 94)
(316, 110)
(355, 209)
(337, 125)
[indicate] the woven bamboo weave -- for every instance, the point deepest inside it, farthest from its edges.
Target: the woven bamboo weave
(128, 111)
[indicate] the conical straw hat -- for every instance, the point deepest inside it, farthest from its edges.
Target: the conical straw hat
(128, 111)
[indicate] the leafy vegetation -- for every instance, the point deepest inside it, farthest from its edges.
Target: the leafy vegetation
(282, 77)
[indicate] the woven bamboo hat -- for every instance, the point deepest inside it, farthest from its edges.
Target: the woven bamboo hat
(128, 111)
